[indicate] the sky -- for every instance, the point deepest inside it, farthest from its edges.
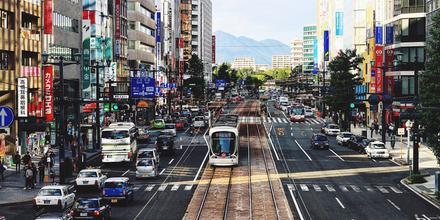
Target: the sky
(280, 19)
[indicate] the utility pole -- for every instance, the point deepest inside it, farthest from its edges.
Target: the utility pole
(416, 124)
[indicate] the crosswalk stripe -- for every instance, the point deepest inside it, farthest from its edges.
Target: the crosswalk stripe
(279, 120)
(290, 187)
(315, 121)
(285, 121)
(304, 187)
(307, 122)
(136, 188)
(369, 188)
(343, 188)
(269, 120)
(175, 187)
(382, 189)
(330, 188)
(188, 187)
(395, 190)
(162, 187)
(264, 119)
(355, 188)
(317, 188)
(149, 187)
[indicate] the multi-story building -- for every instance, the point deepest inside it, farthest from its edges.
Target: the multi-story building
(309, 38)
(297, 53)
(141, 34)
(244, 63)
(186, 26)
(20, 57)
(281, 61)
(262, 67)
(360, 25)
(201, 31)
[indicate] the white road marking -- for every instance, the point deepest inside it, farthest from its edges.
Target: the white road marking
(149, 187)
(394, 189)
(270, 141)
(304, 187)
(392, 161)
(369, 188)
(355, 188)
(317, 188)
(285, 121)
(395, 206)
(187, 130)
(336, 154)
(296, 205)
(188, 187)
(290, 187)
(291, 128)
(175, 187)
(162, 187)
(161, 172)
(330, 188)
(279, 120)
(136, 188)
(340, 203)
(201, 166)
(264, 119)
(343, 188)
(374, 160)
(171, 161)
(291, 134)
(303, 150)
(126, 172)
(425, 216)
(382, 189)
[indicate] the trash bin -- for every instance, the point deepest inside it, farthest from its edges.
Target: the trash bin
(364, 134)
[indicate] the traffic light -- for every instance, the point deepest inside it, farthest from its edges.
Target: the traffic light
(106, 107)
(352, 105)
(115, 107)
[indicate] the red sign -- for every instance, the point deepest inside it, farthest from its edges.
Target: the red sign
(379, 66)
(389, 60)
(48, 93)
(213, 49)
(48, 10)
(390, 85)
(117, 19)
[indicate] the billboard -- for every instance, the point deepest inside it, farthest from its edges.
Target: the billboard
(339, 23)
(389, 34)
(326, 46)
(213, 49)
(142, 87)
(22, 97)
(379, 68)
(117, 19)
(48, 12)
(379, 34)
(48, 93)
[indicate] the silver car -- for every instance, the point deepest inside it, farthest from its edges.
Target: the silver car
(146, 168)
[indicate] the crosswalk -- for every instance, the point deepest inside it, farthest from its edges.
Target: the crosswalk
(163, 187)
(279, 120)
(345, 188)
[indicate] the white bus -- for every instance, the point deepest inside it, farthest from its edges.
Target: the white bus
(119, 142)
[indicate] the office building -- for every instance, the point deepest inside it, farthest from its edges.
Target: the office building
(297, 53)
(262, 67)
(281, 61)
(432, 7)
(201, 30)
(186, 35)
(244, 63)
(359, 25)
(309, 40)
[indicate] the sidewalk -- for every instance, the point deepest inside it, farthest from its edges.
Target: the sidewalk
(428, 164)
(12, 192)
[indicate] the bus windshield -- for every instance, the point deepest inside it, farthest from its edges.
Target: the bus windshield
(297, 111)
(223, 143)
(115, 134)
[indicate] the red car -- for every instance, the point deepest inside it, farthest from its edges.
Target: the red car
(180, 124)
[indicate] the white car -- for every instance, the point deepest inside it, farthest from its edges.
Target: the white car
(332, 129)
(148, 153)
(377, 149)
(309, 113)
(146, 168)
(343, 137)
(170, 129)
(199, 122)
(90, 178)
(60, 196)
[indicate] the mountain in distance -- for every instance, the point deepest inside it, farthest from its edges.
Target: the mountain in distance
(229, 47)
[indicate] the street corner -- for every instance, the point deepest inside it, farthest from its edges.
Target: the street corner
(424, 190)
(399, 161)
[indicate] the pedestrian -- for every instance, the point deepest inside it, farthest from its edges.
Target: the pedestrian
(52, 175)
(376, 127)
(34, 175)
(26, 159)
(17, 162)
(393, 141)
(371, 130)
(390, 129)
(74, 146)
(41, 170)
(28, 177)
(2, 170)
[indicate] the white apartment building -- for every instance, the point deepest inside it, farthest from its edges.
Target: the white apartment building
(297, 52)
(360, 25)
(281, 61)
(244, 63)
(201, 25)
(262, 67)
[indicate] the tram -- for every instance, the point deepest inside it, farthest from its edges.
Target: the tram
(224, 141)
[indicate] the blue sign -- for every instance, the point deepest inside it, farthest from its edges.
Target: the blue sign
(315, 68)
(6, 116)
(339, 23)
(326, 46)
(379, 35)
(373, 73)
(220, 83)
(142, 87)
(390, 35)
(158, 26)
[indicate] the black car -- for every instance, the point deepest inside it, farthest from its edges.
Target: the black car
(91, 208)
(355, 143)
(165, 143)
(319, 141)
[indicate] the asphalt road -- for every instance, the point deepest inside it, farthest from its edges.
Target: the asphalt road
(339, 183)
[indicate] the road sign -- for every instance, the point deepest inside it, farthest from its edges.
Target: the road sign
(6, 116)
(5, 131)
(142, 87)
(409, 124)
(401, 131)
(120, 96)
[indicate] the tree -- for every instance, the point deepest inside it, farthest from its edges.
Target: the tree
(195, 66)
(197, 80)
(297, 70)
(343, 83)
(223, 70)
(430, 89)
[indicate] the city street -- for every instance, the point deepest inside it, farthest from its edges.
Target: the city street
(339, 183)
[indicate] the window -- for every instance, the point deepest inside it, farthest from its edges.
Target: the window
(65, 22)
(146, 48)
(147, 12)
(6, 20)
(131, 6)
(131, 44)
(132, 25)
(6, 60)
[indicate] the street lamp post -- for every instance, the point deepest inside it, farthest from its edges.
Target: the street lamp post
(60, 121)
(383, 118)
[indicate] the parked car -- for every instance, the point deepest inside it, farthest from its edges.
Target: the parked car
(343, 137)
(91, 208)
(354, 142)
(165, 143)
(147, 168)
(158, 123)
(170, 128)
(90, 178)
(332, 129)
(377, 149)
(319, 141)
(55, 196)
(118, 188)
(148, 153)
(54, 216)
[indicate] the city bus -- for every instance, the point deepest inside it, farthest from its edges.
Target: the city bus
(118, 142)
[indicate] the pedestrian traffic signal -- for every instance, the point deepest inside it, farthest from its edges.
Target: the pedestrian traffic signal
(352, 105)
(115, 107)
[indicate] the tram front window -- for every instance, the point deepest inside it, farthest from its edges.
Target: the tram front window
(223, 143)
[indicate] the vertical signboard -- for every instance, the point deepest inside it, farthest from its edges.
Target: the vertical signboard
(213, 49)
(315, 56)
(48, 12)
(158, 41)
(48, 93)
(379, 67)
(379, 34)
(339, 23)
(22, 97)
(326, 46)
(117, 19)
(389, 35)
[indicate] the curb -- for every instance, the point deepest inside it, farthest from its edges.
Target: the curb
(421, 195)
(16, 203)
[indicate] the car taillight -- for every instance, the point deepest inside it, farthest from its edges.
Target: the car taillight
(96, 213)
(130, 154)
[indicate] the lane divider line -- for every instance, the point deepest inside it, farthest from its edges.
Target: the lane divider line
(126, 172)
(392, 203)
(340, 203)
(161, 172)
(271, 143)
(336, 154)
(204, 159)
(303, 150)
(296, 205)
(171, 161)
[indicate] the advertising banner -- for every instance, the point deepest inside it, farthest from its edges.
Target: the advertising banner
(48, 93)
(379, 68)
(22, 97)
(389, 59)
(213, 49)
(379, 34)
(158, 26)
(117, 19)
(48, 12)
(373, 80)
(339, 23)
(326, 46)
(389, 35)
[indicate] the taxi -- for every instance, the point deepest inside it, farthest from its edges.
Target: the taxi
(90, 178)
(58, 196)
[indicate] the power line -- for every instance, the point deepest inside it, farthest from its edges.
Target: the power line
(254, 46)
